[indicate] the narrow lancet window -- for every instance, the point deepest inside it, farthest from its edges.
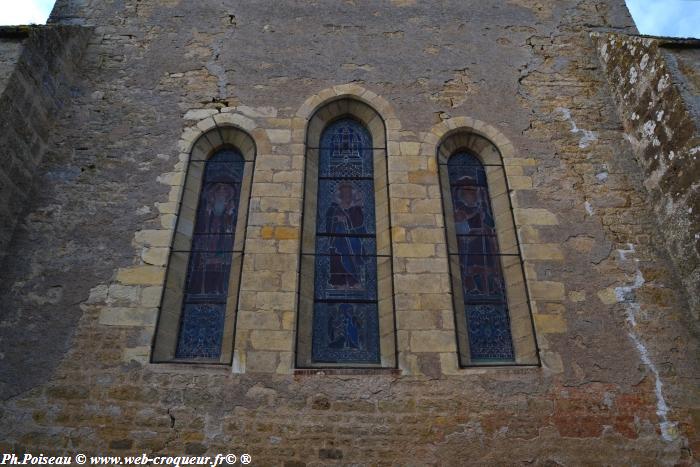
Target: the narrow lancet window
(345, 311)
(210, 257)
(482, 281)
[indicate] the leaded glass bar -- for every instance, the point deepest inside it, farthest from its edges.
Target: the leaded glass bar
(345, 325)
(482, 282)
(211, 251)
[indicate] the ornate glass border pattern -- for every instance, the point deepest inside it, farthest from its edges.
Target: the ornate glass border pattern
(345, 315)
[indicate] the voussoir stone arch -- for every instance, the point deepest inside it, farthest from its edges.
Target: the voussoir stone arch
(494, 151)
(469, 125)
(375, 115)
(199, 144)
(355, 92)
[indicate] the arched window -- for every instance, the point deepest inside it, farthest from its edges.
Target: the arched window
(346, 321)
(346, 315)
(483, 289)
(209, 266)
(197, 314)
(492, 314)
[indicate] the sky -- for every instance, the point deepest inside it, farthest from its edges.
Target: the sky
(676, 18)
(25, 11)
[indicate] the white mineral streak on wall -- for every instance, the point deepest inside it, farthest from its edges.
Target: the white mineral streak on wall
(625, 295)
(588, 136)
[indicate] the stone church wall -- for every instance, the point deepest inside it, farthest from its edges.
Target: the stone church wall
(656, 84)
(37, 66)
(80, 292)
(10, 50)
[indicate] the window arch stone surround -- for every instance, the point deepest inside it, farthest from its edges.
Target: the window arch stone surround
(209, 137)
(493, 150)
(335, 108)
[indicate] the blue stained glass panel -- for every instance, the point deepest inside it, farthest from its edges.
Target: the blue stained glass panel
(478, 245)
(345, 207)
(466, 172)
(464, 158)
(212, 242)
(201, 331)
(482, 278)
(209, 265)
(489, 332)
(345, 244)
(345, 332)
(346, 150)
(207, 276)
(483, 286)
(345, 277)
(225, 167)
(345, 326)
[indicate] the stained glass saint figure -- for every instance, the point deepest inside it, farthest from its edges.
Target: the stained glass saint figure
(345, 322)
(483, 287)
(209, 266)
(345, 216)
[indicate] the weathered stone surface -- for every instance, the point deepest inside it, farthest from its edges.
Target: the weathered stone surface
(128, 316)
(618, 380)
(141, 275)
(656, 87)
(38, 67)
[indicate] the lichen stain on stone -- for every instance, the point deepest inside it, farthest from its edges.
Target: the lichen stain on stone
(663, 134)
(587, 137)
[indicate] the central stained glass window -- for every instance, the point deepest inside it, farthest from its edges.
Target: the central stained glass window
(345, 317)
(209, 266)
(483, 286)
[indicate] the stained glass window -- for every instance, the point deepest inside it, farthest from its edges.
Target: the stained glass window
(210, 256)
(483, 286)
(345, 316)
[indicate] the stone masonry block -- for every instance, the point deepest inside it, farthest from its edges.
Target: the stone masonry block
(410, 149)
(199, 114)
(120, 316)
(433, 341)
(533, 216)
(547, 290)
(279, 136)
(119, 293)
(542, 252)
(414, 250)
(265, 362)
(155, 256)
(550, 324)
(422, 283)
(271, 340)
(141, 275)
(266, 320)
(517, 182)
(150, 296)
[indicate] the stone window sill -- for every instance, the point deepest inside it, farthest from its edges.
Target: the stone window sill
(347, 372)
